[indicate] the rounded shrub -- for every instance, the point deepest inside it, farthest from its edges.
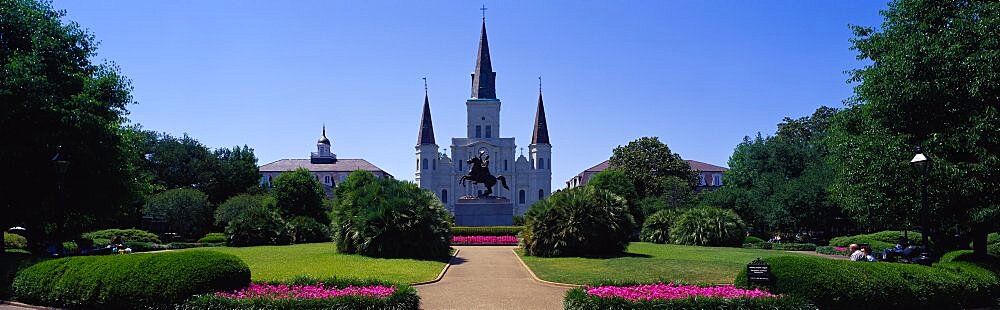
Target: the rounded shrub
(707, 226)
(578, 222)
(752, 240)
(186, 211)
(129, 281)
(308, 230)
(14, 241)
(389, 218)
(258, 226)
(656, 229)
(133, 235)
(842, 284)
(213, 238)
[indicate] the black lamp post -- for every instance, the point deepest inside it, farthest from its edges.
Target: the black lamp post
(61, 162)
(921, 163)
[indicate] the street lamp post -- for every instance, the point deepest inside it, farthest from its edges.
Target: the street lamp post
(61, 162)
(920, 163)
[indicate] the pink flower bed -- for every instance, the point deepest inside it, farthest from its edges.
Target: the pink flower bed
(315, 291)
(484, 240)
(674, 291)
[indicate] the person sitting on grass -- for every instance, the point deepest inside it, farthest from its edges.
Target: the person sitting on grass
(868, 254)
(856, 253)
(118, 245)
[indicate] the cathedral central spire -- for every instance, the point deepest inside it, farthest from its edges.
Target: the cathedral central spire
(484, 79)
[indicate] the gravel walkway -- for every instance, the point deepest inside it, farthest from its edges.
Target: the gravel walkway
(489, 277)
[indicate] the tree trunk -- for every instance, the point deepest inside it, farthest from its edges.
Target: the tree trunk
(979, 237)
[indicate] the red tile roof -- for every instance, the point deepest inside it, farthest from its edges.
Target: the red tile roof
(700, 166)
(342, 165)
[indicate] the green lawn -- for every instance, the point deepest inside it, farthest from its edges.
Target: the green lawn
(322, 260)
(649, 262)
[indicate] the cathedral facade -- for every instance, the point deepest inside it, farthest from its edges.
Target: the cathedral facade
(529, 177)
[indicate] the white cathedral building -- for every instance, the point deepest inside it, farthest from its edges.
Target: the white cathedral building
(529, 178)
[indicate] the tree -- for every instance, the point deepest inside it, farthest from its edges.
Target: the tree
(236, 205)
(616, 182)
(55, 100)
(580, 221)
(389, 218)
(933, 80)
(186, 211)
(647, 162)
(235, 173)
(781, 182)
(300, 193)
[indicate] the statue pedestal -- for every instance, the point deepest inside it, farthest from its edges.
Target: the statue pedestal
(485, 211)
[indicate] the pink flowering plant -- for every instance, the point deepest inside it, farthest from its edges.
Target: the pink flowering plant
(309, 293)
(484, 240)
(668, 295)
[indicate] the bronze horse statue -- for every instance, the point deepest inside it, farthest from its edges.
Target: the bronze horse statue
(479, 172)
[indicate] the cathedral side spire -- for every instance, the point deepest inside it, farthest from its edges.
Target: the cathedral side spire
(540, 134)
(484, 79)
(426, 134)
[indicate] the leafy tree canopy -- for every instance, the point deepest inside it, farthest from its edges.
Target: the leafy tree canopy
(647, 162)
(933, 79)
(56, 100)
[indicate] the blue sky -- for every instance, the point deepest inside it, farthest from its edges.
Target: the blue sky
(700, 75)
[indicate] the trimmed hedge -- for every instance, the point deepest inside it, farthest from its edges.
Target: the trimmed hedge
(752, 239)
(831, 250)
(128, 235)
(578, 299)
(10, 264)
(213, 238)
(842, 284)
(878, 241)
(486, 231)
(14, 241)
(404, 298)
(781, 246)
(129, 281)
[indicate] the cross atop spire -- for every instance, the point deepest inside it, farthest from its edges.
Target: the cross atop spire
(425, 85)
(484, 11)
(484, 79)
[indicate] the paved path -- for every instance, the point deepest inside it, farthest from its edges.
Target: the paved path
(489, 277)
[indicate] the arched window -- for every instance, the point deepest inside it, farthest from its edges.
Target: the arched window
(326, 179)
(541, 194)
(424, 164)
(520, 197)
(479, 131)
(541, 163)
(489, 131)
(504, 165)
(435, 164)
(444, 195)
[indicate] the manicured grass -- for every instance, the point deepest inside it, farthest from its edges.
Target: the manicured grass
(321, 260)
(650, 262)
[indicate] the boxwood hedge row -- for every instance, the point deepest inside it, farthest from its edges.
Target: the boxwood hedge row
(578, 299)
(842, 284)
(404, 298)
(486, 231)
(129, 281)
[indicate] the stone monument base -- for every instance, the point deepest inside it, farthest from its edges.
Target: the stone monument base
(484, 211)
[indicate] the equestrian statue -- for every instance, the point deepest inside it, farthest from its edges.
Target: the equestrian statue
(479, 172)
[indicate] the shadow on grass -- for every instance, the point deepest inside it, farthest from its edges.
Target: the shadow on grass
(622, 255)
